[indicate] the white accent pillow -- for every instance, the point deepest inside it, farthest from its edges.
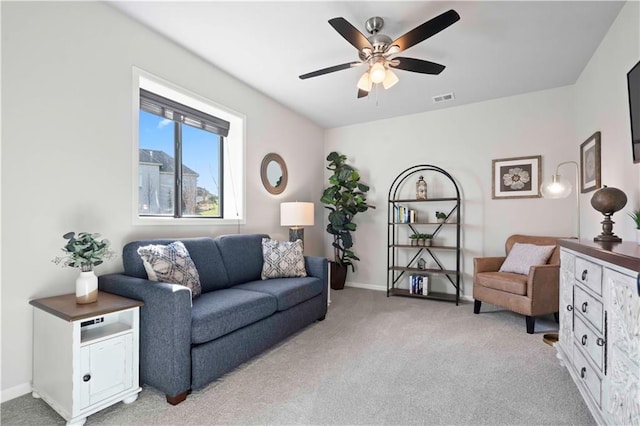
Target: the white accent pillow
(523, 256)
(282, 259)
(171, 264)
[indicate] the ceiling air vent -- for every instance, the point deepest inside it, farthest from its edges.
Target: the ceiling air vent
(443, 98)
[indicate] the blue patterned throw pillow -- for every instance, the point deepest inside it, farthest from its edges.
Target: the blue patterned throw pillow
(282, 259)
(171, 264)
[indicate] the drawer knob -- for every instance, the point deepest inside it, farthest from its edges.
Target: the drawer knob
(569, 308)
(584, 307)
(584, 340)
(584, 275)
(583, 372)
(86, 377)
(600, 341)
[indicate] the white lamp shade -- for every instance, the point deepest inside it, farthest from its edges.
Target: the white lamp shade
(558, 187)
(365, 82)
(378, 73)
(389, 80)
(296, 214)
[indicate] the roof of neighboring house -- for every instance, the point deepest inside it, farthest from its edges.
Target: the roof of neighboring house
(166, 162)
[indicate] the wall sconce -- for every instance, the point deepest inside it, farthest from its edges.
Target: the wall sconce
(559, 187)
(296, 215)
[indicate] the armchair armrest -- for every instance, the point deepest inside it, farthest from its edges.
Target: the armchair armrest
(543, 287)
(165, 330)
(487, 264)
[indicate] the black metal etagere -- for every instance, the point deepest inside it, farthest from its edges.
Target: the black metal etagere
(397, 241)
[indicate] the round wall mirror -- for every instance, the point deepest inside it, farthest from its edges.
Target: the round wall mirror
(273, 172)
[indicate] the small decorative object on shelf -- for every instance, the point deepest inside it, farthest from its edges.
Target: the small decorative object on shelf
(635, 215)
(441, 217)
(414, 239)
(422, 264)
(421, 189)
(85, 251)
(607, 201)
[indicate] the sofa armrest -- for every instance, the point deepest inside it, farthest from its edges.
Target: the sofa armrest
(543, 287)
(165, 330)
(318, 267)
(487, 264)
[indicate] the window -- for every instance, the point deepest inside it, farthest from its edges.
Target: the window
(190, 163)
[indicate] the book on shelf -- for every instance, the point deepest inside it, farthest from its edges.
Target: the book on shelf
(419, 284)
(403, 214)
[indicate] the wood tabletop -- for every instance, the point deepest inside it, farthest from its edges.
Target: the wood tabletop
(625, 254)
(65, 306)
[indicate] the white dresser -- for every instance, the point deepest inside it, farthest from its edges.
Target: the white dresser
(599, 337)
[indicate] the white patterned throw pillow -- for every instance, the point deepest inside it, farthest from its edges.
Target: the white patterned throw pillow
(282, 259)
(523, 256)
(171, 264)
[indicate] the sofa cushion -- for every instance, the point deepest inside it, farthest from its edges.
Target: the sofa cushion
(171, 264)
(242, 256)
(288, 291)
(220, 312)
(203, 251)
(522, 257)
(282, 259)
(503, 281)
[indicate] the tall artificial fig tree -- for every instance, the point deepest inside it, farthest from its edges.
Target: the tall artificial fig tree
(344, 198)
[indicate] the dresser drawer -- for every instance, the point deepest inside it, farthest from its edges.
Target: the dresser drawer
(588, 308)
(589, 274)
(590, 342)
(587, 375)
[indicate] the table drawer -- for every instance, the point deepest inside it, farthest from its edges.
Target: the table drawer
(588, 307)
(591, 343)
(589, 274)
(587, 375)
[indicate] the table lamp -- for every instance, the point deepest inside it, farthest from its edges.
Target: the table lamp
(296, 215)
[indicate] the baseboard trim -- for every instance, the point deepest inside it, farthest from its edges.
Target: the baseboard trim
(14, 392)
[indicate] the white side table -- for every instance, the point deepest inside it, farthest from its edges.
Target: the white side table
(85, 357)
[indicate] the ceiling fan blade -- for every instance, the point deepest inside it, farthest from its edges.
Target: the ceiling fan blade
(330, 69)
(362, 93)
(417, 65)
(350, 33)
(426, 30)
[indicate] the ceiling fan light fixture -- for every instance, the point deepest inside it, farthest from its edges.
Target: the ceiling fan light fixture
(365, 82)
(377, 73)
(390, 80)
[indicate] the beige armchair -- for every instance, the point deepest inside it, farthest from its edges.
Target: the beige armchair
(531, 295)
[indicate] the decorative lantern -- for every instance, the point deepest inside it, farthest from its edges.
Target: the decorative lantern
(608, 201)
(421, 189)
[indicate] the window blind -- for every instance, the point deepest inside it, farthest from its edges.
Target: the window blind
(175, 111)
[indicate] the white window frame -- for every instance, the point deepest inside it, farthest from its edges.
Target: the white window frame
(234, 156)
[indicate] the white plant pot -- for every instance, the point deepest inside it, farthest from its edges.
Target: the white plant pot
(86, 288)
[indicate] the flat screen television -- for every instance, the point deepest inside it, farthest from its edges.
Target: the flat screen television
(633, 83)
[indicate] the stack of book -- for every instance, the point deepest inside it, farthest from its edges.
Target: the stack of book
(419, 284)
(404, 214)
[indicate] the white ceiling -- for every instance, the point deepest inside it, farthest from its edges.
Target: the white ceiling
(497, 49)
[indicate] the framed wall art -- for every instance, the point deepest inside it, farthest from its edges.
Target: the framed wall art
(516, 177)
(590, 163)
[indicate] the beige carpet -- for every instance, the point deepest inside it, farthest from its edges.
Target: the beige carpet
(374, 360)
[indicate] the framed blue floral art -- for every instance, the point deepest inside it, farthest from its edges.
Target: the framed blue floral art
(517, 177)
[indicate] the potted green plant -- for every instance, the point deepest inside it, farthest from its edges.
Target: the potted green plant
(635, 215)
(345, 197)
(427, 239)
(414, 239)
(84, 251)
(441, 217)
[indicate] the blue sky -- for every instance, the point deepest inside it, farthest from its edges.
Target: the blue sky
(199, 148)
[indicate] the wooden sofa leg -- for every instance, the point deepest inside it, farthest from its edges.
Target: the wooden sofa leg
(476, 306)
(556, 316)
(177, 399)
(531, 322)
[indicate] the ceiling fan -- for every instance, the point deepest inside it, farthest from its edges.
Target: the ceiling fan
(377, 50)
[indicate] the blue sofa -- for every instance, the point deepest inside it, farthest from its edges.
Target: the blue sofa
(187, 344)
